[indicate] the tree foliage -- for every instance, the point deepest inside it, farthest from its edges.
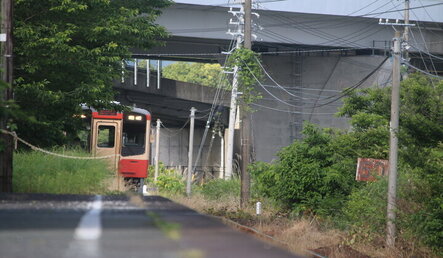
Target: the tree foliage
(69, 52)
(316, 174)
(250, 73)
(212, 74)
(199, 73)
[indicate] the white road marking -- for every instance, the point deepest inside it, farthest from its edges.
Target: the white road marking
(87, 234)
(90, 227)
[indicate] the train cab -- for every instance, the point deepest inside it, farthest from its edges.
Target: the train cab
(123, 138)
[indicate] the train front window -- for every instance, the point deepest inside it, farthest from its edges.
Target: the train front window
(133, 138)
(106, 136)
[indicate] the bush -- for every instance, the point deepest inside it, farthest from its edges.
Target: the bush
(419, 204)
(219, 189)
(310, 175)
(168, 180)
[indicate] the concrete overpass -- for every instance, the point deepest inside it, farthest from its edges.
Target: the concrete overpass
(312, 53)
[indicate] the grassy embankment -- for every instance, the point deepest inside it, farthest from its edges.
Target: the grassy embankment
(36, 172)
(298, 234)
(222, 198)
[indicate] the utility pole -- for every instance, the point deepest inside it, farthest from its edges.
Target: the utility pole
(233, 106)
(7, 76)
(245, 120)
(157, 148)
(148, 73)
(191, 149)
(394, 128)
(393, 142)
(247, 6)
(406, 31)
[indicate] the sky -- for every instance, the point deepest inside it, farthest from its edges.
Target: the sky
(423, 10)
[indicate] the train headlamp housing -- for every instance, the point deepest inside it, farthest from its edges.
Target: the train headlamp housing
(135, 117)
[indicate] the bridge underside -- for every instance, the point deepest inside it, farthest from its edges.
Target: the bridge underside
(172, 101)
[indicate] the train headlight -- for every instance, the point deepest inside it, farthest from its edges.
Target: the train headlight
(138, 118)
(131, 117)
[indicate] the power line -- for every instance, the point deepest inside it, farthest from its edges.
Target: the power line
(393, 11)
(425, 45)
(276, 83)
(288, 111)
(351, 89)
(176, 132)
(429, 54)
(422, 71)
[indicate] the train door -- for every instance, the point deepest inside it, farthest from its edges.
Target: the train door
(106, 140)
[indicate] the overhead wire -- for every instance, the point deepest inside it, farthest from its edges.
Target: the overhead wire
(174, 132)
(354, 87)
(336, 97)
(276, 83)
(429, 54)
(211, 114)
(331, 39)
(393, 11)
(289, 111)
(423, 71)
(425, 45)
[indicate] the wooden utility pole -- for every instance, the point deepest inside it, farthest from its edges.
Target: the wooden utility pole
(7, 76)
(191, 149)
(245, 119)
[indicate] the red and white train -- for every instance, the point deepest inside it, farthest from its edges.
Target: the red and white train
(124, 138)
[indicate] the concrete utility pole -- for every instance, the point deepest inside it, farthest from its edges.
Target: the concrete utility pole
(135, 71)
(148, 73)
(157, 148)
(406, 31)
(159, 73)
(245, 120)
(393, 142)
(394, 127)
(406, 35)
(7, 76)
(233, 107)
(191, 149)
(247, 6)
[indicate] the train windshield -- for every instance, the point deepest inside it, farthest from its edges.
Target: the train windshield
(134, 135)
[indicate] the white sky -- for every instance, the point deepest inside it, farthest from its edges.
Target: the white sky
(345, 7)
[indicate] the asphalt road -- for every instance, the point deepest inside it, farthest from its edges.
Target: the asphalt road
(65, 226)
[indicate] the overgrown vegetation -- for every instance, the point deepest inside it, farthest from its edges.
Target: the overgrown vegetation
(36, 172)
(314, 178)
(168, 180)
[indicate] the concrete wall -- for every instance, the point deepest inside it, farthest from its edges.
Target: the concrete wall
(322, 78)
(174, 147)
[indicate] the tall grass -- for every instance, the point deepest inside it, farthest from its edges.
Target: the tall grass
(35, 172)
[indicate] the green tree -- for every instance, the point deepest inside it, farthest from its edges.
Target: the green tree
(212, 74)
(198, 73)
(317, 173)
(69, 52)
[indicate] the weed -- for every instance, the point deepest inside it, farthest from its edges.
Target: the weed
(35, 172)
